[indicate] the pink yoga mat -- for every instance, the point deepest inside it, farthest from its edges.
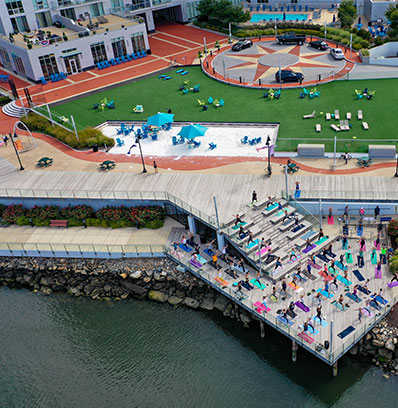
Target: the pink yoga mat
(377, 247)
(331, 220)
(377, 273)
(363, 248)
(366, 313)
(263, 250)
(260, 307)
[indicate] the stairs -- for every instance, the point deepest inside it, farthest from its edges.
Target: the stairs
(14, 110)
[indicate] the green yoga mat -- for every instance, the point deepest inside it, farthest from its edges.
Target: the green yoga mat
(320, 241)
(235, 227)
(279, 213)
(331, 270)
(373, 259)
(348, 257)
(255, 283)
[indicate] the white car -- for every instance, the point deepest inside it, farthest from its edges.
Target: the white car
(337, 53)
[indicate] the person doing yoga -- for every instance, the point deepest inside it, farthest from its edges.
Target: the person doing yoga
(264, 302)
(319, 314)
(278, 264)
(250, 237)
(273, 294)
(307, 243)
(341, 301)
(394, 278)
(238, 220)
(293, 255)
(302, 300)
(283, 288)
(269, 202)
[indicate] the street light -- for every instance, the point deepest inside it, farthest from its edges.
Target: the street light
(267, 143)
(16, 151)
(396, 168)
(137, 140)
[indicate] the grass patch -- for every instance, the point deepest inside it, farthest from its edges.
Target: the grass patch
(248, 105)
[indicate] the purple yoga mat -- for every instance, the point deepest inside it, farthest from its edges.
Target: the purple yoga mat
(377, 273)
(302, 306)
(196, 264)
(392, 284)
(316, 266)
(312, 246)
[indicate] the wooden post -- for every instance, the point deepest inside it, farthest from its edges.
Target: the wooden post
(294, 351)
(262, 329)
(335, 369)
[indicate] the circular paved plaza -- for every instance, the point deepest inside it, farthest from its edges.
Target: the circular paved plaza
(256, 66)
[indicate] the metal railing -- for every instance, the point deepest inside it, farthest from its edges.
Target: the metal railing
(362, 195)
(108, 195)
(81, 250)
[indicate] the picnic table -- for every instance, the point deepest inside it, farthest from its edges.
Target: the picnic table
(292, 168)
(45, 161)
(364, 161)
(107, 165)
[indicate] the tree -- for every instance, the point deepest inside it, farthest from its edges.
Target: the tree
(221, 12)
(392, 16)
(347, 13)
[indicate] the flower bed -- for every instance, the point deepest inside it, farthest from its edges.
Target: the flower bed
(113, 217)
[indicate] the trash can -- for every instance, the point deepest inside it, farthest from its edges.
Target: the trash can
(95, 148)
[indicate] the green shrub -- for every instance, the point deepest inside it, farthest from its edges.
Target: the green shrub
(12, 212)
(79, 212)
(4, 100)
(394, 265)
(48, 212)
(38, 222)
(104, 224)
(154, 224)
(365, 52)
(2, 208)
(393, 228)
(75, 223)
(87, 137)
(23, 221)
(119, 224)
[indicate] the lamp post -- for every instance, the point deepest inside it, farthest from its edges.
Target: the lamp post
(267, 143)
(137, 140)
(16, 151)
(396, 167)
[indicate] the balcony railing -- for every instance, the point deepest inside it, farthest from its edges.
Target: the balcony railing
(70, 3)
(159, 2)
(126, 9)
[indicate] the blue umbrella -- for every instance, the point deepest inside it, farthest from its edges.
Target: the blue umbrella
(192, 131)
(160, 119)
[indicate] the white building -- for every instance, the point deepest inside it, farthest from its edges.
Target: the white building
(85, 32)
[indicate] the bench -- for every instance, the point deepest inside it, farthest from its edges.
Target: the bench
(288, 225)
(310, 150)
(59, 223)
(382, 151)
(278, 217)
(258, 206)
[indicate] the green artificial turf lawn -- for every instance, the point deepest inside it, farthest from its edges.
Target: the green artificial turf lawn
(248, 105)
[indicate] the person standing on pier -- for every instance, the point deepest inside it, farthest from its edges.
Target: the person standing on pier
(254, 197)
(319, 314)
(283, 289)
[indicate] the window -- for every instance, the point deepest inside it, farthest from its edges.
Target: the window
(192, 10)
(20, 24)
(98, 51)
(44, 19)
(18, 63)
(69, 13)
(14, 7)
(5, 58)
(96, 10)
(138, 42)
(40, 4)
(119, 47)
(48, 65)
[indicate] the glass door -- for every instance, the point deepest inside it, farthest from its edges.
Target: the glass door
(72, 65)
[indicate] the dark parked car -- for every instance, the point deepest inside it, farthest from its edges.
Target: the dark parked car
(319, 44)
(290, 38)
(242, 44)
(289, 76)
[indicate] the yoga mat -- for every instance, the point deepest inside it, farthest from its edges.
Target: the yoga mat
(263, 250)
(345, 245)
(353, 297)
(324, 293)
(297, 228)
(383, 259)
(295, 259)
(341, 266)
(339, 306)
(285, 321)
(346, 332)
(297, 194)
(367, 312)
(271, 207)
(343, 280)
(322, 258)
(373, 259)
(360, 262)
(331, 270)
(377, 273)
(323, 322)
(375, 305)
(306, 338)
(316, 266)
(348, 257)
(298, 289)
(358, 275)
(261, 307)
(231, 274)
(308, 235)
(196, 264)
(326, 277)
(321, 241)
(363, 248)
(201, 259)
(247, 285)
(308, 249)
(392, 284)
(378, 247)
(222, 281)
(255, 283)
(236, 227)
(279, 213)
(208, 252)
(252, 244)
(310, 329)
(363, 290)
(185, 248)
(244, 235)
(380, 300)
(330, 220)
(302, 306)
(359, 231)
(300, 277)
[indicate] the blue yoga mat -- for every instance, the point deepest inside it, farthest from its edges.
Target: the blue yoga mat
(326, 294)
(346, 332)
(358, 275)
(185, 248)
(363, 290)
(271, 207)
(323, 323)
(308, 235)
(297, 194)
(255, 283)
(340, 266)
(380, 300)
(208, 252)
(252, 244)
(344, 280)
(285, 321)
(352, 297)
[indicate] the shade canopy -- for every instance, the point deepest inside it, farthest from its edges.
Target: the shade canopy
(192, 131)
(160, 119)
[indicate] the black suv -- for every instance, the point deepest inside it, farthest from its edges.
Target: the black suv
(289, 76)
(242, 44)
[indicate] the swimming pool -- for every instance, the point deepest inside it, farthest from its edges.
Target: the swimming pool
(256, 18)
